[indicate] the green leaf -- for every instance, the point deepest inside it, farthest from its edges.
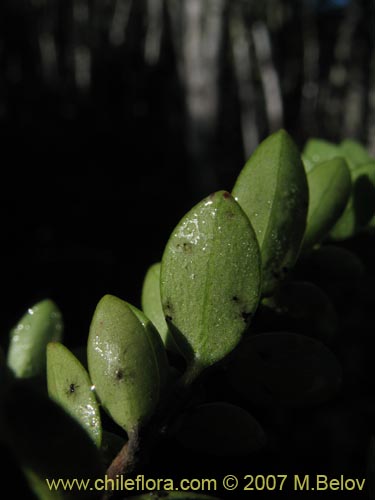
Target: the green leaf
(220, 429)
(332, 263)
(157, 345)
(329, 190)
(110, 447)
(151, 305)
(361, 205)
(210, 279)
(41, 324)
(124, 364)
(272, 190)
(46, 441)
(285, 369)
(306, 308)
(354, 152)
(40, 488)
(318, 151)
(70, 386)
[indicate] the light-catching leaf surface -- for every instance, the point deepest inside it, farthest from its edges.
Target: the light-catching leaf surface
(329, 190)
(305, 308)
(318, 150)
(361, 205)
(210, 279)
(152, 307)
(123, 363)
(272, 190)
(220, 429)
(70, 386)
(41, 324)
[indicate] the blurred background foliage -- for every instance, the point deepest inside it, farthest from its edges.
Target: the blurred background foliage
(116, 116)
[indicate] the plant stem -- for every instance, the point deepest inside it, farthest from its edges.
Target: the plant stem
(137, 449)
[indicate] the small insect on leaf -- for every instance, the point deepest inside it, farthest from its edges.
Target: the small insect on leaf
(329, 191)
(70, 386)
(220, 429)
(272, 190)
(125, 364)
(41, 324)
(210, 279)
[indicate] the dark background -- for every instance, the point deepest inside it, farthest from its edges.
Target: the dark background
(103, 148)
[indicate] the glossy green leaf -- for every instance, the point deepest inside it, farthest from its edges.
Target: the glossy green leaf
(41, 324)
(70, 386)
(317, 151)
(329, 190)
(285, 369)
(361, 205)
(173, 495)
(123, 363)
(220, 429)
(305, 308)
(272, 190)
(210, 279)
(152, 307)
(354, 152)
(46, 441)
(157, 345)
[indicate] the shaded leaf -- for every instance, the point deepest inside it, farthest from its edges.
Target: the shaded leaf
(329, 190)
(272, 190)
(157, 345)
(285, 369)
(220, 429)
(354, 152)
(210, 279)
(29, 338)
(318, 150)
(307, 307)
(123, 363)
(370, 472)
(111, 445)
(40, 488)
(47, 442)
(70, 386)
(152, 306)
(361, 205)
